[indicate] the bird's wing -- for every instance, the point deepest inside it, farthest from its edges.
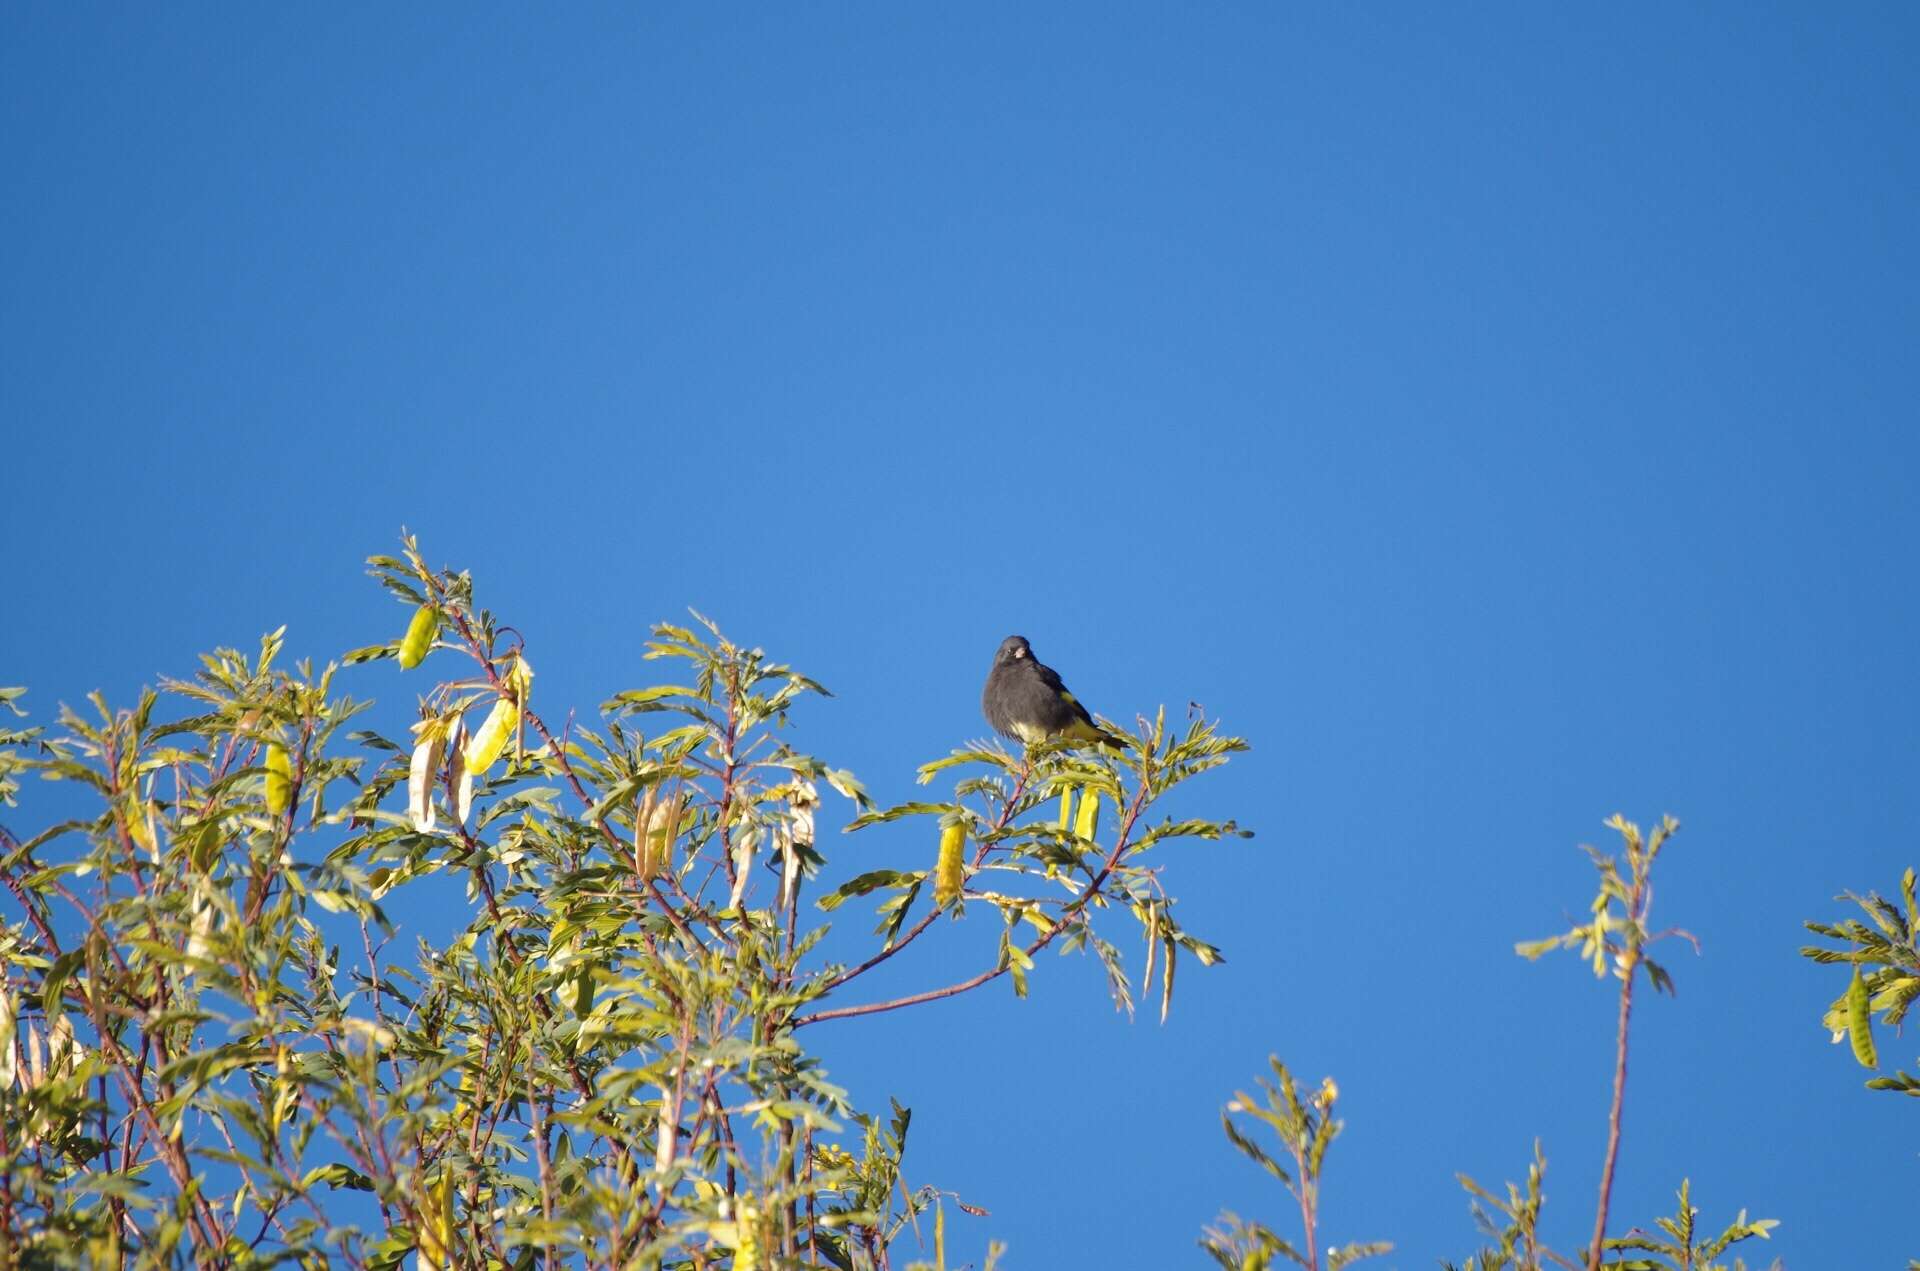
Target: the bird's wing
(1051, 678)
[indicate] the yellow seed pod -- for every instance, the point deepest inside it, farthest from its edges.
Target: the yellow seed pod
(435, 1239)
(950, 871)
(491, 737)
(279, 778)
(419, 637)
(1066, 807)
(520, 678)
(1088, 822)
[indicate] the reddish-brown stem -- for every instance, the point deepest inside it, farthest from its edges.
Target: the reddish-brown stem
(1309, 1197)
(554, 748)
(1613, 1116)
(926, 920)
(1067, 917)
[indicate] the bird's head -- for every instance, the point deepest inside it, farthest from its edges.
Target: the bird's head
(1013, 649)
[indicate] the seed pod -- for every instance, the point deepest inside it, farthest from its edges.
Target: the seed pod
(800, 804)
(643, 858)
(9, 1063)
(1066, 807)
(666, 1133)
(949, 872)
(744, 845)
(663, 828)
(60, 1046)
(426, 762)
(199, 931)
(419, 637)
(789, 865)
(1166, 978)
(435, 1239)
(457, 775)
(491, 737)
(1860, 1022)
(1088, 823)
(463, 787)
(34, 1070)
(520, 678)
(279, 778)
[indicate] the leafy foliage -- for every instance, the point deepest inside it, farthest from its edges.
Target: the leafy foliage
(1684, 1248)
(1305, 1129)
(1513, 1224)
(1617, 934)
(1884, 953)
(212, 1050)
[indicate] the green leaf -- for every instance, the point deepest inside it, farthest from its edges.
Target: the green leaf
(871, 881)
(337, 1175)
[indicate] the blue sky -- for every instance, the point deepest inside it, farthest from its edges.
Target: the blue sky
(1502, 416)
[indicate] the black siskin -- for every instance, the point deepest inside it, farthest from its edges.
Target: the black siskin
(1025, 700)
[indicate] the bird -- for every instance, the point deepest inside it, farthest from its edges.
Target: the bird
(1025, 700)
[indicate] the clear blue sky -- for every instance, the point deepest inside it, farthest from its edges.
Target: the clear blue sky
(1502, 415)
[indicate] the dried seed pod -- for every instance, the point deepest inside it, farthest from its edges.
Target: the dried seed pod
(800, 804)
(1087, 824)
(457, 775)
(34, 1070)
(666, 1134)
(949, 872)
(419, 637)
(643, 835)
(491, 737)
(279, 778)
(426, 763)
(789, 865)
(61, 1048)
(656, 827)
(199, 930)
(9, 1020)
(744, 846)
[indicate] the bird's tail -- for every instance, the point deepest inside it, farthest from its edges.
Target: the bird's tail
(1083, 731)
